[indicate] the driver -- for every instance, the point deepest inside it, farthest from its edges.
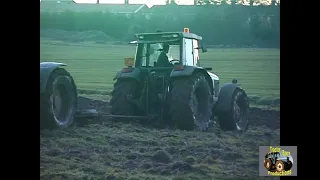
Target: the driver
(163, 60)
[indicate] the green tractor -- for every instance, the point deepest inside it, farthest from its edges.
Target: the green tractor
(182, 94)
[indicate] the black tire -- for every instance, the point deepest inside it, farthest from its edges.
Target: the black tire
(191, 102)
(123, 89)
(236, 118)
(287, 165)
(58, 104)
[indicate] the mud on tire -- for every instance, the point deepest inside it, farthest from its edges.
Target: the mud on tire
(123, 89)
(236, 118)
(58, 104)
(190, 102)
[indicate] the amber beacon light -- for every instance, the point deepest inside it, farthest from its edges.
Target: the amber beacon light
(186, 30)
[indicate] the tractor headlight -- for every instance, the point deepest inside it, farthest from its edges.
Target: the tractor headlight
(216, 87)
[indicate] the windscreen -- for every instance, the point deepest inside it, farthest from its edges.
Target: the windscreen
(153, 51)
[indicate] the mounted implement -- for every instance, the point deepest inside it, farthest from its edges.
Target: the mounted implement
(165, 82)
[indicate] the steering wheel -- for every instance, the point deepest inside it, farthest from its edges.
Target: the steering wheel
(175, 61)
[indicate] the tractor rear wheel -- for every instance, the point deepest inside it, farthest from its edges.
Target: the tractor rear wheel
(58, 104)
(236, 118)
(268, 164)
(122, 91)
(191, 102)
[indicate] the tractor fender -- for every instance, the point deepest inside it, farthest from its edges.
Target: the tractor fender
(134, 74)
(46, 68)
(224, 101)
(190, 70)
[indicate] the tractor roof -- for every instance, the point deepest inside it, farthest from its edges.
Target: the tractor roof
(273, 153)
(162, 37)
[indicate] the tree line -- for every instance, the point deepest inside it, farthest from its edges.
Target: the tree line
(220, 25)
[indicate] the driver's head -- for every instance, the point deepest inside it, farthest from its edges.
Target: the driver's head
(165, 48)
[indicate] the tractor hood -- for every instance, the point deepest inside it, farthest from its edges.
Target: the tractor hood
(284, 158)
(213, 76)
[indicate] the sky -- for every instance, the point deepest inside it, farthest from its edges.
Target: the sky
(155, 2)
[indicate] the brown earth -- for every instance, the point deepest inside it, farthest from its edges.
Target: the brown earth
(117, 150)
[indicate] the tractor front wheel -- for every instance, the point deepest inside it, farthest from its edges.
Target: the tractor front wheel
(191, 102)
(237, 115)
(280, 166)
(287, 166)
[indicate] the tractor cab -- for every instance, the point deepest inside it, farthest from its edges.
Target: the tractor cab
(183, 49)
(273, 156)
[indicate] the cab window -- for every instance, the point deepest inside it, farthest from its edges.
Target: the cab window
(151, 52)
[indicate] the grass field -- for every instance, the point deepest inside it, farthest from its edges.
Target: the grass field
(130, 151)
(94, 65)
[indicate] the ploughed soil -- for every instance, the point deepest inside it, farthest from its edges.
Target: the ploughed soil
(111, 150)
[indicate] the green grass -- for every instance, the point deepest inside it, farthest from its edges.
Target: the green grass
(94, 65)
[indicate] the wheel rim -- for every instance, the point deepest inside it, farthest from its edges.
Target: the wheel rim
(199, 111)
(60, 104)
(267, 165)
(240, 111)
(279, 166)
(57, 102)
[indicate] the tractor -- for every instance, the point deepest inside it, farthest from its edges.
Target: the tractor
(59, 101)
(273, 161)
(183, 95)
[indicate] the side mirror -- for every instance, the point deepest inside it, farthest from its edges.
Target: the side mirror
(203, 48)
